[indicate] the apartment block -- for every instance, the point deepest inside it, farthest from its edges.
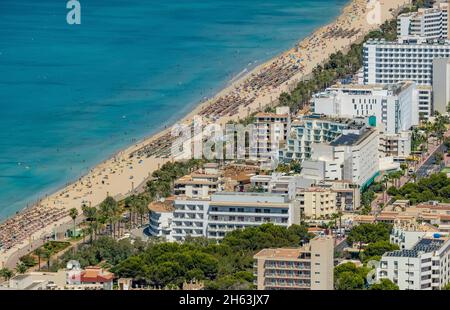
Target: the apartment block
(201, 183)
(272, 129)
(441, 84)
(425, 266)
(425, 102)
(317, 202)
(230, 211)
(161, 217)
(278, 183)
(307, 268)
(397, 146)
(222, 212)
(314, 129)
(353, 157)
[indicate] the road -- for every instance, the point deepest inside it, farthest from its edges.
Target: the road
(429, 165)
(424, 168)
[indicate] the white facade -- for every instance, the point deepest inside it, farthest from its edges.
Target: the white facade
(397, 146)
(160, 223)
(190, 218)
(406, 238)
(227, 211)
(441, 84)
(429, 23)
(353, 157)
(271, 129)
(425, 101)
(314, 129)
(392, 62)
(277, 183)
(230, 211)
(423, 267)
(395, 107)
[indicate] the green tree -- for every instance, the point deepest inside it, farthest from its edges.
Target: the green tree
(21, 267)
(39, 253)
(379, 248)
(6, 273)
(349, 281)
(47, 255)
(368, 233)
(385, 285)
(108, 211)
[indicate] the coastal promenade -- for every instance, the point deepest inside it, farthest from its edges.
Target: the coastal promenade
(126, 170)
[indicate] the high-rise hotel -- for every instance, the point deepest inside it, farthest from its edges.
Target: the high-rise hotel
(409, 60)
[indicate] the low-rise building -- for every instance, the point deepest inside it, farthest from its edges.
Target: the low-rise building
(307, 268)
(95, 276)
(201, 183)
(436, 214)
(406, 235)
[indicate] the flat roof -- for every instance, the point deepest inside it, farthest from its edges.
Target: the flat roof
(280, 253)
(162, 206)
(249, 204)
(273, 115)
(425, 245)
(351, 138)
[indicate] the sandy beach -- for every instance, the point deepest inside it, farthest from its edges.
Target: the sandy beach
(120, 175)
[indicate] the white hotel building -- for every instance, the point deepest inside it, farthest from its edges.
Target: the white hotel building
(425, 266)
(395, 107)
(352, 157)
(429, 23)
(224, 212)
(392, 62)
(410, 60)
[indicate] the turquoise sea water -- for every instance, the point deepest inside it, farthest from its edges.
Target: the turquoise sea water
(71, 96)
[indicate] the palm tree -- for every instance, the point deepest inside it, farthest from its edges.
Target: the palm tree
(47, 254)
(142, 207)
(21, 268)
(109, 209)
(6, 273)
(38, 252)
(91, 215)
(73, 214)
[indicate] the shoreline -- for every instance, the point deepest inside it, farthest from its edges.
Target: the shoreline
(105, 179)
